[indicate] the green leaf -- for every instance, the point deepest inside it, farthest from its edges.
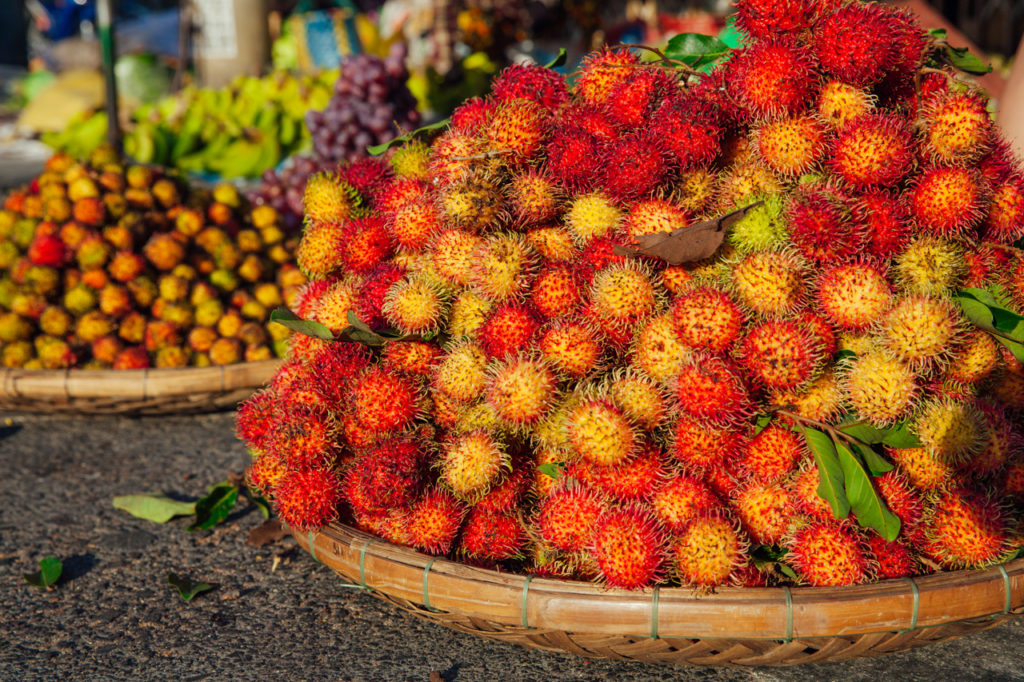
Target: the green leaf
(48, 574)
(983, 295)
(215, 507)
(557, 61)
(186, 588)
(1009, 323)
(869, 508)
(875, 463)
(360, 332)
(378, 149)
(762, 421)
(845, 355)
(863, 432)
(260, 503)
(732, 36)
(552, 469)
(696, 49)
(964, 60)
(285, 317)
(901, 437)
(938, 33)
(787, 570)
(1017, 349)
(156, 508)
(830, 473)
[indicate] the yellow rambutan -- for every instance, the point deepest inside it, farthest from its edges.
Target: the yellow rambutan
(657, 349)
(467, 314)
(881, 388)
(839, 103)
(553, 242)
(471, 463)
(769, 283)
(922, 331)
(521, 390)
(500, 268)
(929, 265)
(623, 294)
(592, 216)
(462, 372)
(950, 430)
(414, 305)
(639, 398)
(452, 254)
(707, 551)
(599, 432)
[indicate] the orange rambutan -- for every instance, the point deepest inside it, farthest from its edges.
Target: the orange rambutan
(533, 197)
(711, 389)
(652, 216)
(265, 473)
(704, 447)
(922, 468)
(572, 347)
(803, 490)
(413, 224)
(682, 498)
(922, 331)
(601, 71)
(769, 283)
(765, 510)
(781, 354)
(434, 520)
(706, 317)
(657, 349)
(321, 251)
(622, 295)
(773, 453)
(947, 201)
(501, 268)
(707, 551)
(854, 295)
(875, 150)
(521, 390)
(491, 535)
(567, 516)
(827, 554)
(517, 127)
(956, 128)
(790, 146)
(555, 291)
(382, 401)
(451, 254)
(1004, 222)
(629, 546)
(967, 529)
(840, 103)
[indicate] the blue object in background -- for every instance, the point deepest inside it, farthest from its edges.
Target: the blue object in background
(66, 17)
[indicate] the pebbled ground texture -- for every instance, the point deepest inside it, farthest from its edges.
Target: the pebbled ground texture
(114, 617)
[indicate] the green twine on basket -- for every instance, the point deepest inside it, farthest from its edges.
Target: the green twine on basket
(654, 612)
(526, 591)
(789, 615)
(916, 604)
(426, 595)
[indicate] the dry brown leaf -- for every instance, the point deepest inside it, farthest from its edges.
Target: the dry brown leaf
(686, 244)
(266, 533)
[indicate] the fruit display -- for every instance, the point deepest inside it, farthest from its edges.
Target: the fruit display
(234, 132)
(755, 326)
(111, 266)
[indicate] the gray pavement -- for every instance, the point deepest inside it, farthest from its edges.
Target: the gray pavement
(114, 617)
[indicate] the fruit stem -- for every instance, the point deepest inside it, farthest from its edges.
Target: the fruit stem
(673, 64)
(821, 426)
(485, 155)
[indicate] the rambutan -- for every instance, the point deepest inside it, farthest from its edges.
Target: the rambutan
(555, 243)
(707, 551)
(891, 559)
(507, 495)
(462, 372)
(922, 469)
(652, 216)
(592, 216)
(629, 546)
(769, 283)
(948, 201)
(632, 102)
(401, 192)
(532, 82)
(854, 295)
(741, 184)
(822, 223)
(821, 400)
(771, 454)
(599, 432)
(781, 354)
(414, 305)
(711, 389)
(567, 516)
(765, 19)
(266, 473)
(975, 360)
(957, 128)
(840, 103)
(929, 266)
(881, 388)
(642, 401)
(1004, 222)
(803, 490)
(875, 150)
(472, 114)
(491, 535)
(452, 255)
(950, 430)
(517, 127)
(384, 402)
(433, 521)
(764, 510)
(626, 481)
(328, 199)
(922, 331)
(902, 500)
(682, 498)
(967, 529)
(690, 131)
(695, 189)
(602, 70)
(413, 224)
(1001, 440)
(412, 357)
(321, 251)
(572, 347)
(703, 446)
(508, 330)
(555, 291)
(471, 463)
(308, 500)
(533, 197)
(455, 155)
(500, 268)
(574, 158)
(634, 165)
(521, 390)
(388, 476)
(473, 203)
(773, 77)
(790, 146)
(623, 294)
(657, 349)
(827, 555)
(706, 317)
(334, 305)
(854, 44)
(886, 220)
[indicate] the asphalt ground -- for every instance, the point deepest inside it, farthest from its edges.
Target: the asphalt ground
(274, 613)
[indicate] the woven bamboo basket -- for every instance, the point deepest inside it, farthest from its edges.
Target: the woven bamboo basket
(733, 627)
(183, 390)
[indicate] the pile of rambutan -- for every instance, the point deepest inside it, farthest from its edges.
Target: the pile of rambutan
(531, 392)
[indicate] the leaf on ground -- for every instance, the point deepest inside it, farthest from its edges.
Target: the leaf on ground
(259, 502)
(864, 499)
(215, 507)
(831, 480)
(686, 244)
(186, 588)
(48, 574)
(156, 508)
(267, 533)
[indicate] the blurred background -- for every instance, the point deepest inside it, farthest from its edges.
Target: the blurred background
(170, 53)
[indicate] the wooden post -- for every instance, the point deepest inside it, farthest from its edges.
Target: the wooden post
(105, 24)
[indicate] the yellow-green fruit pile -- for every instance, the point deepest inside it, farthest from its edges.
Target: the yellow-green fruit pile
(106, 266)
(542, 395)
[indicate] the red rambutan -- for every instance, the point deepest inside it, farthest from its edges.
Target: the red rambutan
(706, 317)
(712, 389)
(508, 330)
(682, 498)
(383, 401)
(822, 223)
(855, 43)
(434, 520)
(827, 555)
(566, 518)
(773, 77)
(533, 82)
(308, 500)
(874, 150)
(492, 535)
(886, 221)
(629, 546)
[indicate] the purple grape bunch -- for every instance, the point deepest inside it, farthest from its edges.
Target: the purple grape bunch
(282, 189)
(370, 105)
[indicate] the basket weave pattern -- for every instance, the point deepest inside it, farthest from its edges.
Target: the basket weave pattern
(734, 627)
(133, 392)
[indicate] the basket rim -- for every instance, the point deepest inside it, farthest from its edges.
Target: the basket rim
(743, 613)
(131, 384)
